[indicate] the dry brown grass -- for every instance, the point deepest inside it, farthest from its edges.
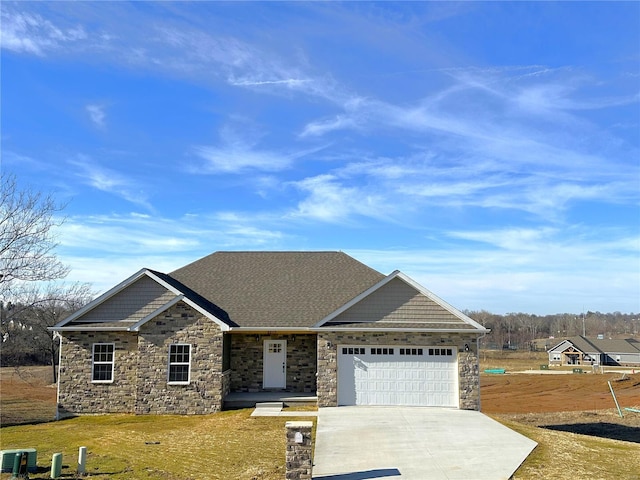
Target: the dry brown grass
(512, 360)
(222, 446)
(27, 395)
(563, 451)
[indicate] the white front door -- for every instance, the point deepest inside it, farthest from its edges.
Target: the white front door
(275, 364)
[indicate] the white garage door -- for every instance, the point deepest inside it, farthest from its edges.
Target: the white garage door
(392, 375)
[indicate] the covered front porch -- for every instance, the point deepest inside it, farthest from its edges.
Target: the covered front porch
(573, 356)
(267, 362)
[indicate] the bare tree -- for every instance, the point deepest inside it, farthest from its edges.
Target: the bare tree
(49, 308)
(31, 296)
(27, 219)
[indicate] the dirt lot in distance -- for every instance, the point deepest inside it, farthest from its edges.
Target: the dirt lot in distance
(579, 404)
(537, 393)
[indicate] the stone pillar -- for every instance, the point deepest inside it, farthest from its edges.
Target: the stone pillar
(299, 450)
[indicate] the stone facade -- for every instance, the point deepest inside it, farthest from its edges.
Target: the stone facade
(469, 388)
(247, 362)
(76, 392)
(140, 380)
(469, 378)
(203, 394)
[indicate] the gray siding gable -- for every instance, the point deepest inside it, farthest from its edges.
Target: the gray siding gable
(135, 301)
(128, 306)
(399, 302)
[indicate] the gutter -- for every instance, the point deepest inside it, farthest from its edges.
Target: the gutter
(89, 329)
(415, 330)
(270, 330)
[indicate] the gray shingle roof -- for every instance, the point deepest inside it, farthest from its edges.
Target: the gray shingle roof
(595, 345)
(277, 289)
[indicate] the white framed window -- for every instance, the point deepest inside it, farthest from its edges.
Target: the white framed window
(353, 351)
(179, 363)
(445, 352)
(102, 362)
(382, 351)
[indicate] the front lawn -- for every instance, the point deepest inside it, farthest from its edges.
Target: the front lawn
(227, 445)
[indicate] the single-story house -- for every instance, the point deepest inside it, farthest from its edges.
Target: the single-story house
(318, 322)
(595, 351)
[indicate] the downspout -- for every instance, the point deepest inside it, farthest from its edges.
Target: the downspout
(478, 364)
(57, 335)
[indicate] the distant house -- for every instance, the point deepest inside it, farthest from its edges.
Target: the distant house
(593, 351)
(317, 322)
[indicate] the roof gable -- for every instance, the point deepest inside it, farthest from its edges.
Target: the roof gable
(580, 343)
(560, 347)
(596, 345)
(401, 303)
(135, 301)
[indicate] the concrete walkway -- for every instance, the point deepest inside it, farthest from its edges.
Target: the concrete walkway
(274, 409)
(415, 443)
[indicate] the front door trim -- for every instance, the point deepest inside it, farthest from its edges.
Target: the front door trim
(274, 373)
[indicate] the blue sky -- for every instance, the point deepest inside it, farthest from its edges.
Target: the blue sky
(488, 150)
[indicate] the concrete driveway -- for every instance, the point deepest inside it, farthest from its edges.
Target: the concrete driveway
(414, 443)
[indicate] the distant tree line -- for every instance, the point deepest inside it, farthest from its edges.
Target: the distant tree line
(519, 331)
(26, 339)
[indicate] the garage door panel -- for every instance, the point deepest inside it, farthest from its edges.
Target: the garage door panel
(397, 376)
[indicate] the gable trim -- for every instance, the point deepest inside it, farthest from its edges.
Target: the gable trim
(556, 348)
(101, 299)
(136, 326)
(398, 274)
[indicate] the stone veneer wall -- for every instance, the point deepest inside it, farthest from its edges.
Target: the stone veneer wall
(469, 378)
(203, 394)
(76, 392)
(140, 368)
(247, 362)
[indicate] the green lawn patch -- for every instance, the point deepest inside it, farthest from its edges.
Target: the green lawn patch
(227, 445)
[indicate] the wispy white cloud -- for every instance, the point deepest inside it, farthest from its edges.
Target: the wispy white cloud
(238, 152)
(110, 181)
(97, 114)
(239, 159)
(330, 200)
(30, 33)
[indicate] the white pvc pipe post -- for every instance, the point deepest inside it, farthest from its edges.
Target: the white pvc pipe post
(82, 460)
(615, 400)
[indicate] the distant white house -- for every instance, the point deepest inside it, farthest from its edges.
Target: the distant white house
(594, 351)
